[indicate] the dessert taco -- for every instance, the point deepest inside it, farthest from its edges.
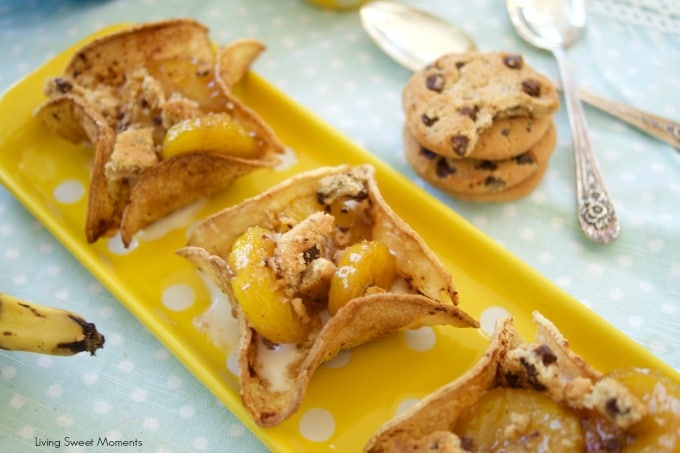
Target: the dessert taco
(538, 396)
(155, 102)
(318, 263)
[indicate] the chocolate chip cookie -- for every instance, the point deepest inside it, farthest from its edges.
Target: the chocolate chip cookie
(480, 179)
(510, 137)
(450, 103)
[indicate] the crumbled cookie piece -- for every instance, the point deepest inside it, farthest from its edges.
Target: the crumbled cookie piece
(133, 153)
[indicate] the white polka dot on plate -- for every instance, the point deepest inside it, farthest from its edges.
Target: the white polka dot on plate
(421, 339)
(406, 404)
(340, 360)
(69, 191)
(178, 297)
(317, 425)
(116, 246)
(488, 318)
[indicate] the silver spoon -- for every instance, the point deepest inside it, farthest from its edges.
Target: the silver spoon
(415, 38)
(553, 25)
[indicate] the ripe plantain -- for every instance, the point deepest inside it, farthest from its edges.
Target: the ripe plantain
(46, 330)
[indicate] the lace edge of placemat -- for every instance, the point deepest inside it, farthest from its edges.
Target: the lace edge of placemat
(660, 15)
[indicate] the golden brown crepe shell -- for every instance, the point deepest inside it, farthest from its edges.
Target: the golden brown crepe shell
(360, 320)
(69, 117)
(234, 60)
(432, 419)
(174, 182)
(105, 60)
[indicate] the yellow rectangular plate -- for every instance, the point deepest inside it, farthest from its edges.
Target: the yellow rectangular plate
(356, 394)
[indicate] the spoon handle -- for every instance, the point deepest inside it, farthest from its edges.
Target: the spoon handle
(657, 126)
(596, 214)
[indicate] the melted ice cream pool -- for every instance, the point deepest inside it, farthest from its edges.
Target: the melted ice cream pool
(217, 322)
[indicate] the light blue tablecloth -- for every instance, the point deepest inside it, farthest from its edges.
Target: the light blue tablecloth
(134, 389)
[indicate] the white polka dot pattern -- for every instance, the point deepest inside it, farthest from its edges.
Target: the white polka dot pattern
(323, 60)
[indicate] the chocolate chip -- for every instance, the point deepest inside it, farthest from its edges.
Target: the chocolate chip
(444, 169)
(531, 87)
(532, 375)
(470, 112)
(428, 120)
(459, 64)
(495, 183)
(63, 85)
(466, 443)
(311, 254)
(427, 154)
(435, 82)
(612, 408)
(488, 165)
(513, 61)
(459, 143)
(612, 444)
(513, 380)
(524, 159)
(320, 197)
(505, 132)
(546, 354)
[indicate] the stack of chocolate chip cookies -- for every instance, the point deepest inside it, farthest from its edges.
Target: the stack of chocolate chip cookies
(480, 125)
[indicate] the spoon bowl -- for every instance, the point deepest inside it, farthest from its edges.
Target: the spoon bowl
(553, 25)
(548, 23)
(412, 37)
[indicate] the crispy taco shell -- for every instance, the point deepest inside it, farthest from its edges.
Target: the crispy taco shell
(71, 118)
(546, 365)
(430, 299)
(149, 77)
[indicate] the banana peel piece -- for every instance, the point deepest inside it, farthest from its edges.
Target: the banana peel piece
(547, 365)
(426, 295)
(151, 76)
